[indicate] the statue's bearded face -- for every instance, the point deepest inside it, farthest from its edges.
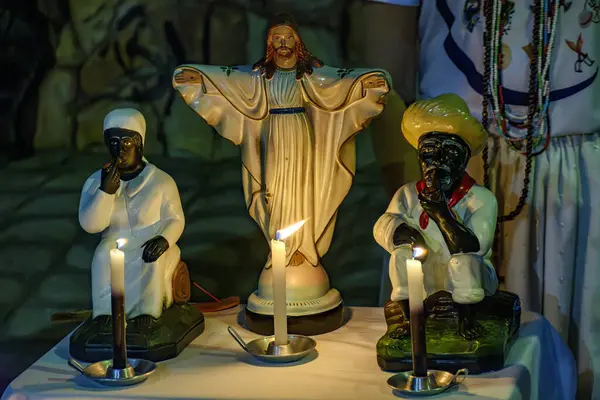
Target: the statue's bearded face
(125, 147)
(445, 153)
(283, 41)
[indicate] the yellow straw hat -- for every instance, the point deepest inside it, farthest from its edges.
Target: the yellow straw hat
(446, 113)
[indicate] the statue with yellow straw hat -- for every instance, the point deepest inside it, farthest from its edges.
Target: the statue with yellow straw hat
(445, 220)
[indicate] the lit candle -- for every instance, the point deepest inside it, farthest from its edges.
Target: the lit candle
(278, 262)
(417, 313)
(279, 298)
(117, 288)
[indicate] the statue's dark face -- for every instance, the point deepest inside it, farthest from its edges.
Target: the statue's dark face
(446, 153)
(125, 147)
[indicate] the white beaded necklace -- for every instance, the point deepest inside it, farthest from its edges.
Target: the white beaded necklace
(546, 34)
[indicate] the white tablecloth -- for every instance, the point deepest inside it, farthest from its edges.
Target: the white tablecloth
(539, 366)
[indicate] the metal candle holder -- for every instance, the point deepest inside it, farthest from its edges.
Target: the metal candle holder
(136, 371)
(120, 370)
(107, 373)
(434, 383)
(420, 381)
(265, 349)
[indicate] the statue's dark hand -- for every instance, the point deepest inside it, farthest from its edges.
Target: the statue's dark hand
(432, 198)
(154, 248)
(405, 234)
(433, 186)
(435, 209)
(110, 179)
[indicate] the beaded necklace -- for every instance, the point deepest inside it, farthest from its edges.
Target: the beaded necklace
(545, 18)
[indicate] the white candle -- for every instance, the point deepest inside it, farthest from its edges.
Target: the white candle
(278, 263)
(414, 271)
(117, 288)
(415, 285)
(117, 269)
(279, 295)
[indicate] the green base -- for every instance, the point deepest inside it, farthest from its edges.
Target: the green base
(163, 339)
(446, 350)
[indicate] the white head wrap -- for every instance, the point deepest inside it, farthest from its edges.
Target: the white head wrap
(126, 118)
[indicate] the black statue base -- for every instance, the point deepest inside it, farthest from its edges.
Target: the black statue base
(147, 338)
(307, 325)
(500, 316)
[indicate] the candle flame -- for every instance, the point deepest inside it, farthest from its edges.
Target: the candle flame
(121, 243)
(284, 233)
(418, 252)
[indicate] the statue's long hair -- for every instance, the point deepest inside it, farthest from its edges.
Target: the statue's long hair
(305, 61)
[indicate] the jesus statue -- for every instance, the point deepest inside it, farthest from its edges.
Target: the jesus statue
(295, 120)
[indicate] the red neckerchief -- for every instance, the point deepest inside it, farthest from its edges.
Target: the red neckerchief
(465, 185)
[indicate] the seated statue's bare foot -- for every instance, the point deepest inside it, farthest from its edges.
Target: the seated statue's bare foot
(399, 331)
(102, 322)
(142, 323)
(397, 317)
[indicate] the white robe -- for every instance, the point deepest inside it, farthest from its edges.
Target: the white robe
(468, 276)
(551, 252)
(147, 206)
(289, 174)
(303, 162)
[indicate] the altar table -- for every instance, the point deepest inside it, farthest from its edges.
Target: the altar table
(539, 366)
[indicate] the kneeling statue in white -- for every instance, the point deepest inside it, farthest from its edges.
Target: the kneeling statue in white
(447, 214)
(131, 199)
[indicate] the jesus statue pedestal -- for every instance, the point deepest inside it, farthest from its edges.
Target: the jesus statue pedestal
(312, 306)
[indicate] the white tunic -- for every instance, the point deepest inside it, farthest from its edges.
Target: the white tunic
(147, 206)
(476, 210)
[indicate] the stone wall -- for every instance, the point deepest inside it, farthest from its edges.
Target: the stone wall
(111, 53)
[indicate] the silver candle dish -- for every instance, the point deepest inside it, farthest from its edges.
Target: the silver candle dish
(137, 371)
(264, 348)
(434, 383)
